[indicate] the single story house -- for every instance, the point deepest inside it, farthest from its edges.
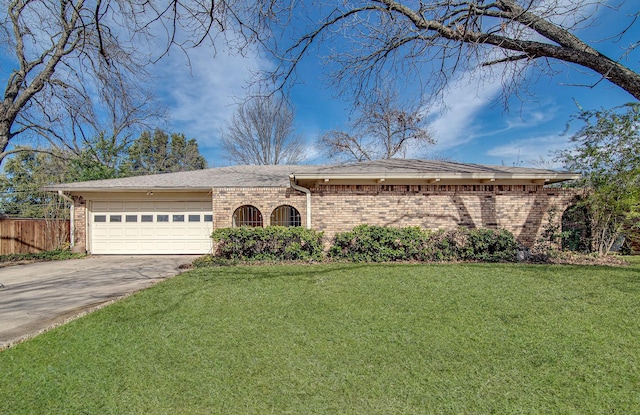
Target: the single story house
(175, 213)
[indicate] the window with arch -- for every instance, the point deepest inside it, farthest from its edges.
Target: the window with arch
(247, 215)
(285, 215)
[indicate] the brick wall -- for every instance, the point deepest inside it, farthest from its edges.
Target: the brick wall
(266, 199)
(80, 224)
(521, 209)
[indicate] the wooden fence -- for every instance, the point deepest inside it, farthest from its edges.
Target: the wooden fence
(22, 236)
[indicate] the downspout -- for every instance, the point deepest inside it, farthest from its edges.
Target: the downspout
(292, 179)
(72, 227)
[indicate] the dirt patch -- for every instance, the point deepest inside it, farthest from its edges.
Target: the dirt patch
(577, 259)
(20, 262)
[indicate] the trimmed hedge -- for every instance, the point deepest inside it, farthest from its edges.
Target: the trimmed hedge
(273, 243)
(366, 243)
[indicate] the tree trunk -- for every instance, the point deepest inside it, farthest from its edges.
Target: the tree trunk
(5, 137)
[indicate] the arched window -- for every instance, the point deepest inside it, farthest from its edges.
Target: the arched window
(247, 215)
(285, 215)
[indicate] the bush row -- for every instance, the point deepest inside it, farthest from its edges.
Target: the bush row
(365, 243)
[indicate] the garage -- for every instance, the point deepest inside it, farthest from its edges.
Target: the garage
(150, 226)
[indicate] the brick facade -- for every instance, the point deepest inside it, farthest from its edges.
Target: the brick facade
(79, 224)
(521, 209)
(226, 200)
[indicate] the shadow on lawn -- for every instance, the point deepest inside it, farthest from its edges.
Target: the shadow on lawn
(292, 272)
(311, 272)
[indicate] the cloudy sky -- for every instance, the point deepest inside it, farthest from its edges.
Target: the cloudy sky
(470, 125)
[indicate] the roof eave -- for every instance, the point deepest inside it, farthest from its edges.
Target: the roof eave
(547, 177)
(127, 189)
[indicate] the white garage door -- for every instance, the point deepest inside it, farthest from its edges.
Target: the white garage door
(153, 227)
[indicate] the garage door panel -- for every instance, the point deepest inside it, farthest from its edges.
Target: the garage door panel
(163, 232)
(146, 232)
(194, 232)
(146, 245)
(163, 246)
(116, 233)
(131, 245)
(178, 232)
(139, 232)
(100, 232)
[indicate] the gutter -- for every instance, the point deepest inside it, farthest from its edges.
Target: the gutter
(547, 176)
(292, 180)
(58, 188)
(72, 225)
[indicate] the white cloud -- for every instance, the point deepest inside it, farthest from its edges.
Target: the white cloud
(530, 151)
(452, 121)
(456, 121)
(201, 90)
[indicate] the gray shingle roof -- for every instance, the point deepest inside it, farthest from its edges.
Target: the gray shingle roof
(278, 176)
(423, 166)
(237, 176)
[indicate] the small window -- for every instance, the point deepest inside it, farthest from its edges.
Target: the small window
(131, 218)
(194, 218)
(285, 215)
(247, 215)
(100, 218)
(115, 218)
(208, 218)
(178, 218)
(162, 218)
(146, 218)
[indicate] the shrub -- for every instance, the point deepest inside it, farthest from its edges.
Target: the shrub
(212, 261)
(439, 246)
(367, 243)
(273, 243)
(490, 245)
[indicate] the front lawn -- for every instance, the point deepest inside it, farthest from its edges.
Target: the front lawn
(346, 338)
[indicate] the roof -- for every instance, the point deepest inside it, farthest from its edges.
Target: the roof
(389, 171)
(429, 171)
(233, 176)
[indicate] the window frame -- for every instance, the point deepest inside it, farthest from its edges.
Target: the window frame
(285, 215)
(247, 215)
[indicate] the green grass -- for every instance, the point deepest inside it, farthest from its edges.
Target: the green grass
(346, 339)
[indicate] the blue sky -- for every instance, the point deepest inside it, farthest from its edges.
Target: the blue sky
(200, 94)
(469, 126)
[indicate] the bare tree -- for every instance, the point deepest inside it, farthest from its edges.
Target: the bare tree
(77, 67)
(383, 129)
(427, 42)
(261, 132)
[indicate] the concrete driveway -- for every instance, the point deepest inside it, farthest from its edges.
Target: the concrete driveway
(37, 296)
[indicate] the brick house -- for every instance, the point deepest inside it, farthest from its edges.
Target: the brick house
(174, 213)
